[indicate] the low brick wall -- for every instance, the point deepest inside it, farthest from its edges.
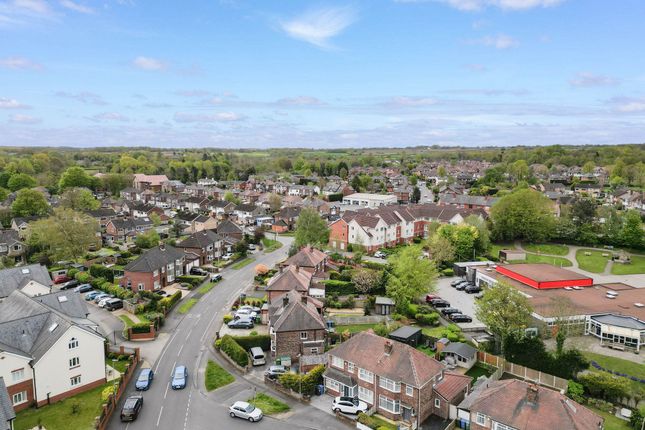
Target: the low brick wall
(109, 408)
(286, 391)
(142, 336)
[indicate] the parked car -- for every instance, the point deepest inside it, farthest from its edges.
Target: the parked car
(246, 312)
(462, 287)
(91, 295)
(348, 405)
(241, 323)
(440, 303)
(99, 297)
(460, 318)
(179, 377)
(104, 300)
(251, 308)
(113, 304)
(216, 277)
(456, 282)
(245, 411)
(198, 271)
(131, 408)
(472, 289)
(431, 297)
(69, 284)
(59, 279)
(274, 371)
(227, 256)
(251, 247)
(449, 311)
(380, 254)
(161, 293)
(145, 379)
(83, 288)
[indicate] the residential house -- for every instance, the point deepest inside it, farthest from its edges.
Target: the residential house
(195, 204)
(32, 279)
(588, 189)
(467, 201)
(7, 414)
(288, 279)
(21, 224)
(154, 269)
(45, 356)
(172, 186)
(303, 190)
(12, 248)
(207, 244)
(309, 259)
(103, 215)
(513, 404)
(126, 230)
(229, 229)
(296, 326)
(148, 182)
(289, 216)
(400, 382)
(142, 210)
(221, 208)
(246, 213)
(193, 223)
(130, 194)
(333, 187)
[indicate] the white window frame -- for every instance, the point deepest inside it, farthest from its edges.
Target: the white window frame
(500, 426)
(409, 390)
(480, 418)
(437, 403)
(74, 362)
(303, 335)
(75, 380)
(337, 362)
(350, 367)
(19, 398)
(384, 403)
(366, 395)
(18, 375)
(389, 384)
(365, 375)
(314, 350)
(332, 384)
(73, 343)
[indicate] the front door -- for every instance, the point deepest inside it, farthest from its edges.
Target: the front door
(347, 391)
(406, 413)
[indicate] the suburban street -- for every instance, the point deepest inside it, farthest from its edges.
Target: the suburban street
(189, 344)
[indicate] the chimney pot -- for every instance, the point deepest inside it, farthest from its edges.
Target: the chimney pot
(304, 300)
(388, 347)
(532, 393)
(162, 246)
(285, 301)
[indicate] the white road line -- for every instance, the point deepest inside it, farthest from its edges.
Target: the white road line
(159, 417)
(188, 335)
(190, 395)
(166, 393)
(164, 351)
(180, 349)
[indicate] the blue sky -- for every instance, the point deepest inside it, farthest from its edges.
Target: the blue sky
(236, 73)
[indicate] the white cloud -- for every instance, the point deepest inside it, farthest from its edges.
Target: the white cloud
(500, 41)
(76, 7)
(83, 97)
(6, 103)
(110, 116)
(475, 5)
(586, 79)
(403, 101)
(40, 7)
(215, 117)
(628, 104)
(193, 93)
(476, 67)
(19, 63)
(300, 101)
(318, 26)
(24, 119)
(148, 63)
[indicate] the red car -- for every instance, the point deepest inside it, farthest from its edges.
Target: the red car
(59, 279)
(431, 297)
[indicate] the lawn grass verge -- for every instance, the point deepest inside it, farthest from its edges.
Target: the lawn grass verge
(637, 266)
(476, 371)
(616, 364)
(555, 261)
(612, 422)
(269, 405)
(354, 328)
(216, 376)
(594, 263)
(186, 306)
(546, 248)
(496, 247)
(59, 415)
(270, 245)
(126, 320)
(206, 288)
(242, 263)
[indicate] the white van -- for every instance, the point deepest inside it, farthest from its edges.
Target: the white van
(257, 356)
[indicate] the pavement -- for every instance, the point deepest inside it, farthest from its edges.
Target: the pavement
(188, 341)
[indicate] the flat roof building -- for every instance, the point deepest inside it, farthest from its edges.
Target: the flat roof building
(543, 276)
(369, 200)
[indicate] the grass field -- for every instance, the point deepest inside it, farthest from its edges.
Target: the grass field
(270, 245)
(611, 422)
(477, 371)
(216, 376)
(242, 263)
(354, 328)
(496, 247)
(546, 248)
(269, 405)
(206, 288)
(594, 263)
(556, 261)
(59, 415)
(635, 267)
(619, 365)
(186, 306)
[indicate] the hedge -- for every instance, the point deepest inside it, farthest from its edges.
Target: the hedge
(115, 290)
(427, 319)
(448, 272)
(230, 347)
(72, 272)
(99, 271)
(374, 265)
(191, 279)
(141, 327)
(83, 277)
(247, 342)
(306, 381)
(168, 302)
(342, 288)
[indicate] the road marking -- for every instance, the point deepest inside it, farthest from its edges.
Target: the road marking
(166, 393)
(165, 348)
(158, 418)
(180, 349)
(190, 396)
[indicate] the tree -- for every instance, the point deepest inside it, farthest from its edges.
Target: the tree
(588, 167)
(230, 197)
(76, 177)
(29, 202)
(19, 181)
(148, 239)
(482, 242)
(462, 237)
(64, 235)
(275, 202)
(79, 199)
(115, 182)
(583, 211)
(441, 249)
(311, 229)
(631, 233)
(411, 277)
(504, 310)
(524, 214)
(416, 195)
(365, 279)
(155, 218)
(4, 193)
(519, 170)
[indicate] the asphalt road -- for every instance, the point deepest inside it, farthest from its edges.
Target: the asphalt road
(192, 407)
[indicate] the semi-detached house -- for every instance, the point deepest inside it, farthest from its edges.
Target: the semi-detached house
(154, 269)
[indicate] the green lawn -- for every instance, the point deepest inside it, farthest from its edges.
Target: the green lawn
(59, 415)
(269, 405)
(476, 371)
(426, 350)
(556, 261)
(619, 365)
(546, 248)
(242, 263)
(127, 320)
(611, 421)
(270, 245)
(594, 263)
(496, 247)
(186, 306)
(118, 365)
(216, 376)
(635, 267)
(206, 288)
(354, 328)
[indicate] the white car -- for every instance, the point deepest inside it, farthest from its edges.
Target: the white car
(245, 411)
(348, 405)
(245, 312)
(251, 308)
(227, 256)
(104, 301)
(380, 254)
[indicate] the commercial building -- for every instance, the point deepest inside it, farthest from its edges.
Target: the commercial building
(543, 276)
(369, 200)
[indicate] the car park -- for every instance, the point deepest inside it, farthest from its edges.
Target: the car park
(245, 411)
(99, 297)
(241, 323)
(456, 282)
(274, 371)
(198, 271)
(104, 300)
(250, 308)
(131, 408)
(462, 286)
(460, 318)
(246, 312)
(145, 379)
(91, 295)
(83, 288)
(449, 311)
(69, 285)
(348, 405)
(179, 377)
(440, 303)
(113, 304)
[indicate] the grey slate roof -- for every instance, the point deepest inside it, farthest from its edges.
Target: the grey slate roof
(155, 258)
(67, 302)
(461, 349)
(7, 413)
(620, 321)
(228, 227)
(339, 376)
(296, 315)
(9, 237)
(201, 239)
(380, 300)
(15, 278)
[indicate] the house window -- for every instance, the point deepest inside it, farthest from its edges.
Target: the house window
(155, 273)
(409, 391)
(350, 367)
(74, 381)
(499, 426)
(332, 384)
(141, 287)
(365, 375)
(18, 375)
(337, 362)
(437, 403)
(303, 335)
(365, 395)
(73, 343)
(480, 418)
(393, 406)
(74, 362)
(389, 384)
(19, 398)
(314, 350)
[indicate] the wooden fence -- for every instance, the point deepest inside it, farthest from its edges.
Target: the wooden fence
(120, 385)
(522, 372)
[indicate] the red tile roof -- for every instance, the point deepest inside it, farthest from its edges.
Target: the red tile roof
(452, 385)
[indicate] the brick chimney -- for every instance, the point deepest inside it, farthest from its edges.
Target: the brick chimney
(304, 300)
(532, 393)
(297, 269)
(388, 347)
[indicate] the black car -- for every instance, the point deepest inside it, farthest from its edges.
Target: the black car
(472, 289)
(198, 271)
(69, 284)
(449, 311)
(131, 408)
(241, 323)
(462, 287)
(440, 303)
(460, 318)
(114, 304)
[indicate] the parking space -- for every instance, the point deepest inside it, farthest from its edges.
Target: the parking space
(459, 299)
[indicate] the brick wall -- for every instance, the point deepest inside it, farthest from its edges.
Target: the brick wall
(136, 278)
(28, 386)
(338, 234)
(289, 343)
(73, 392)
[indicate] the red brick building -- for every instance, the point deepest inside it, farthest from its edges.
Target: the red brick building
(154, 269)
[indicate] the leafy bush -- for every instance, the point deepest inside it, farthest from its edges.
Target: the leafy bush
(97, 282)
(412, 310)
(427, 319)
(72, 272)
(384, 329)
(115, 290)
(575, 391)
(230, 347)
(192, 280)
(604, 385)
(448, 272)
(339, 287)
(306, 381)
(83, 277)
(168, 302)
(228, 318)
(374, 265)
(99, 271)
(106, 393)
(141, 327)
(248, 342)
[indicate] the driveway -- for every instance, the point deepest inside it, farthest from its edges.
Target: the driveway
(461, 300)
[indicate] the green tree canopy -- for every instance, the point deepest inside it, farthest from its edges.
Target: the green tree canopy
(19, 181)
(147, 240)
(631, 233)
(524, 214)
(79, 199)
(411, 277)
(76, 177)
(462, 237)
(64, 235)
(115, 182)
(29, 202)
(311, 229)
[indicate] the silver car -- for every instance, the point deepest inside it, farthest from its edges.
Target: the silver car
(245, 411)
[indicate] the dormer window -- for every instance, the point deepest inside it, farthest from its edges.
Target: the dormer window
(73, 343)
